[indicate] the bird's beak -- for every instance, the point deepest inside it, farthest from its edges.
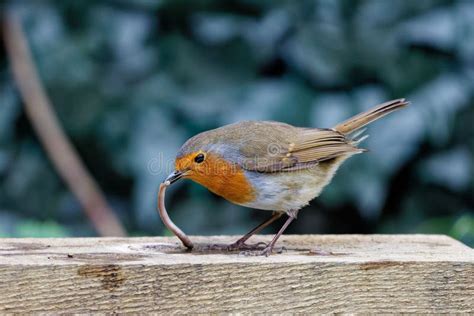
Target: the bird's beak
(175, 176)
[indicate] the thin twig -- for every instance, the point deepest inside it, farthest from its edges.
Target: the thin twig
(63, 155)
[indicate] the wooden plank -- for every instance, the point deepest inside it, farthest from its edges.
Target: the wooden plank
(363, 274)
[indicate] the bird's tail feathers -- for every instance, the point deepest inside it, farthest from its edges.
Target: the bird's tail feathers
(360, 120)
(358, 137)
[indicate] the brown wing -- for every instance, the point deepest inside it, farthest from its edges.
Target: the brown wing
(307, 148)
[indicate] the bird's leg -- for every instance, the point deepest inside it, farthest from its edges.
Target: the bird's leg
(240, 244)
(292, 214)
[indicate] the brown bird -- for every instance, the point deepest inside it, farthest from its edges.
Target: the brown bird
(270, 165)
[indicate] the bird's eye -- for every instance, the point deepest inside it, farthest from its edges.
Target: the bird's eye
(199, 158)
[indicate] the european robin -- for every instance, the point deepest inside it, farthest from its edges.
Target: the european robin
(270, 165)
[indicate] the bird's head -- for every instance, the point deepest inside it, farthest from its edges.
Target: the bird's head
(200, 159)
(211, 162)
(195, 160)
(195, 165)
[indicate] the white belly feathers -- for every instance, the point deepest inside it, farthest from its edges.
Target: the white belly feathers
(283, 191)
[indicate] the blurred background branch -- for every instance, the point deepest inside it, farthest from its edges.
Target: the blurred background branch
(60, 150)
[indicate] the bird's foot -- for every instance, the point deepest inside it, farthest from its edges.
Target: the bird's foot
(264, 252)
(236, 246)
(269, 250)
(246, 247)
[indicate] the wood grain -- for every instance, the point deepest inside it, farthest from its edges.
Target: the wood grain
(358, 274)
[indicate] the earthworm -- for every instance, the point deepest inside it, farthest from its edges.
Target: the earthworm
(166, 219)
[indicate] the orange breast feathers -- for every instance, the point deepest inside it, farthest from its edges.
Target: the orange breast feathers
(219, 176)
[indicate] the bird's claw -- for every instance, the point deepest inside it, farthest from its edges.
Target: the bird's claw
(246, 247)
(236, 246)
(269, 250)
(257, 249)
(265, 252)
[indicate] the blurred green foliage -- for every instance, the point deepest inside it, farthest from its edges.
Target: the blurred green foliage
(132, 80)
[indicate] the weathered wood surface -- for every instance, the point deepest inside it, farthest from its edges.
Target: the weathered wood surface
(373, 273)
